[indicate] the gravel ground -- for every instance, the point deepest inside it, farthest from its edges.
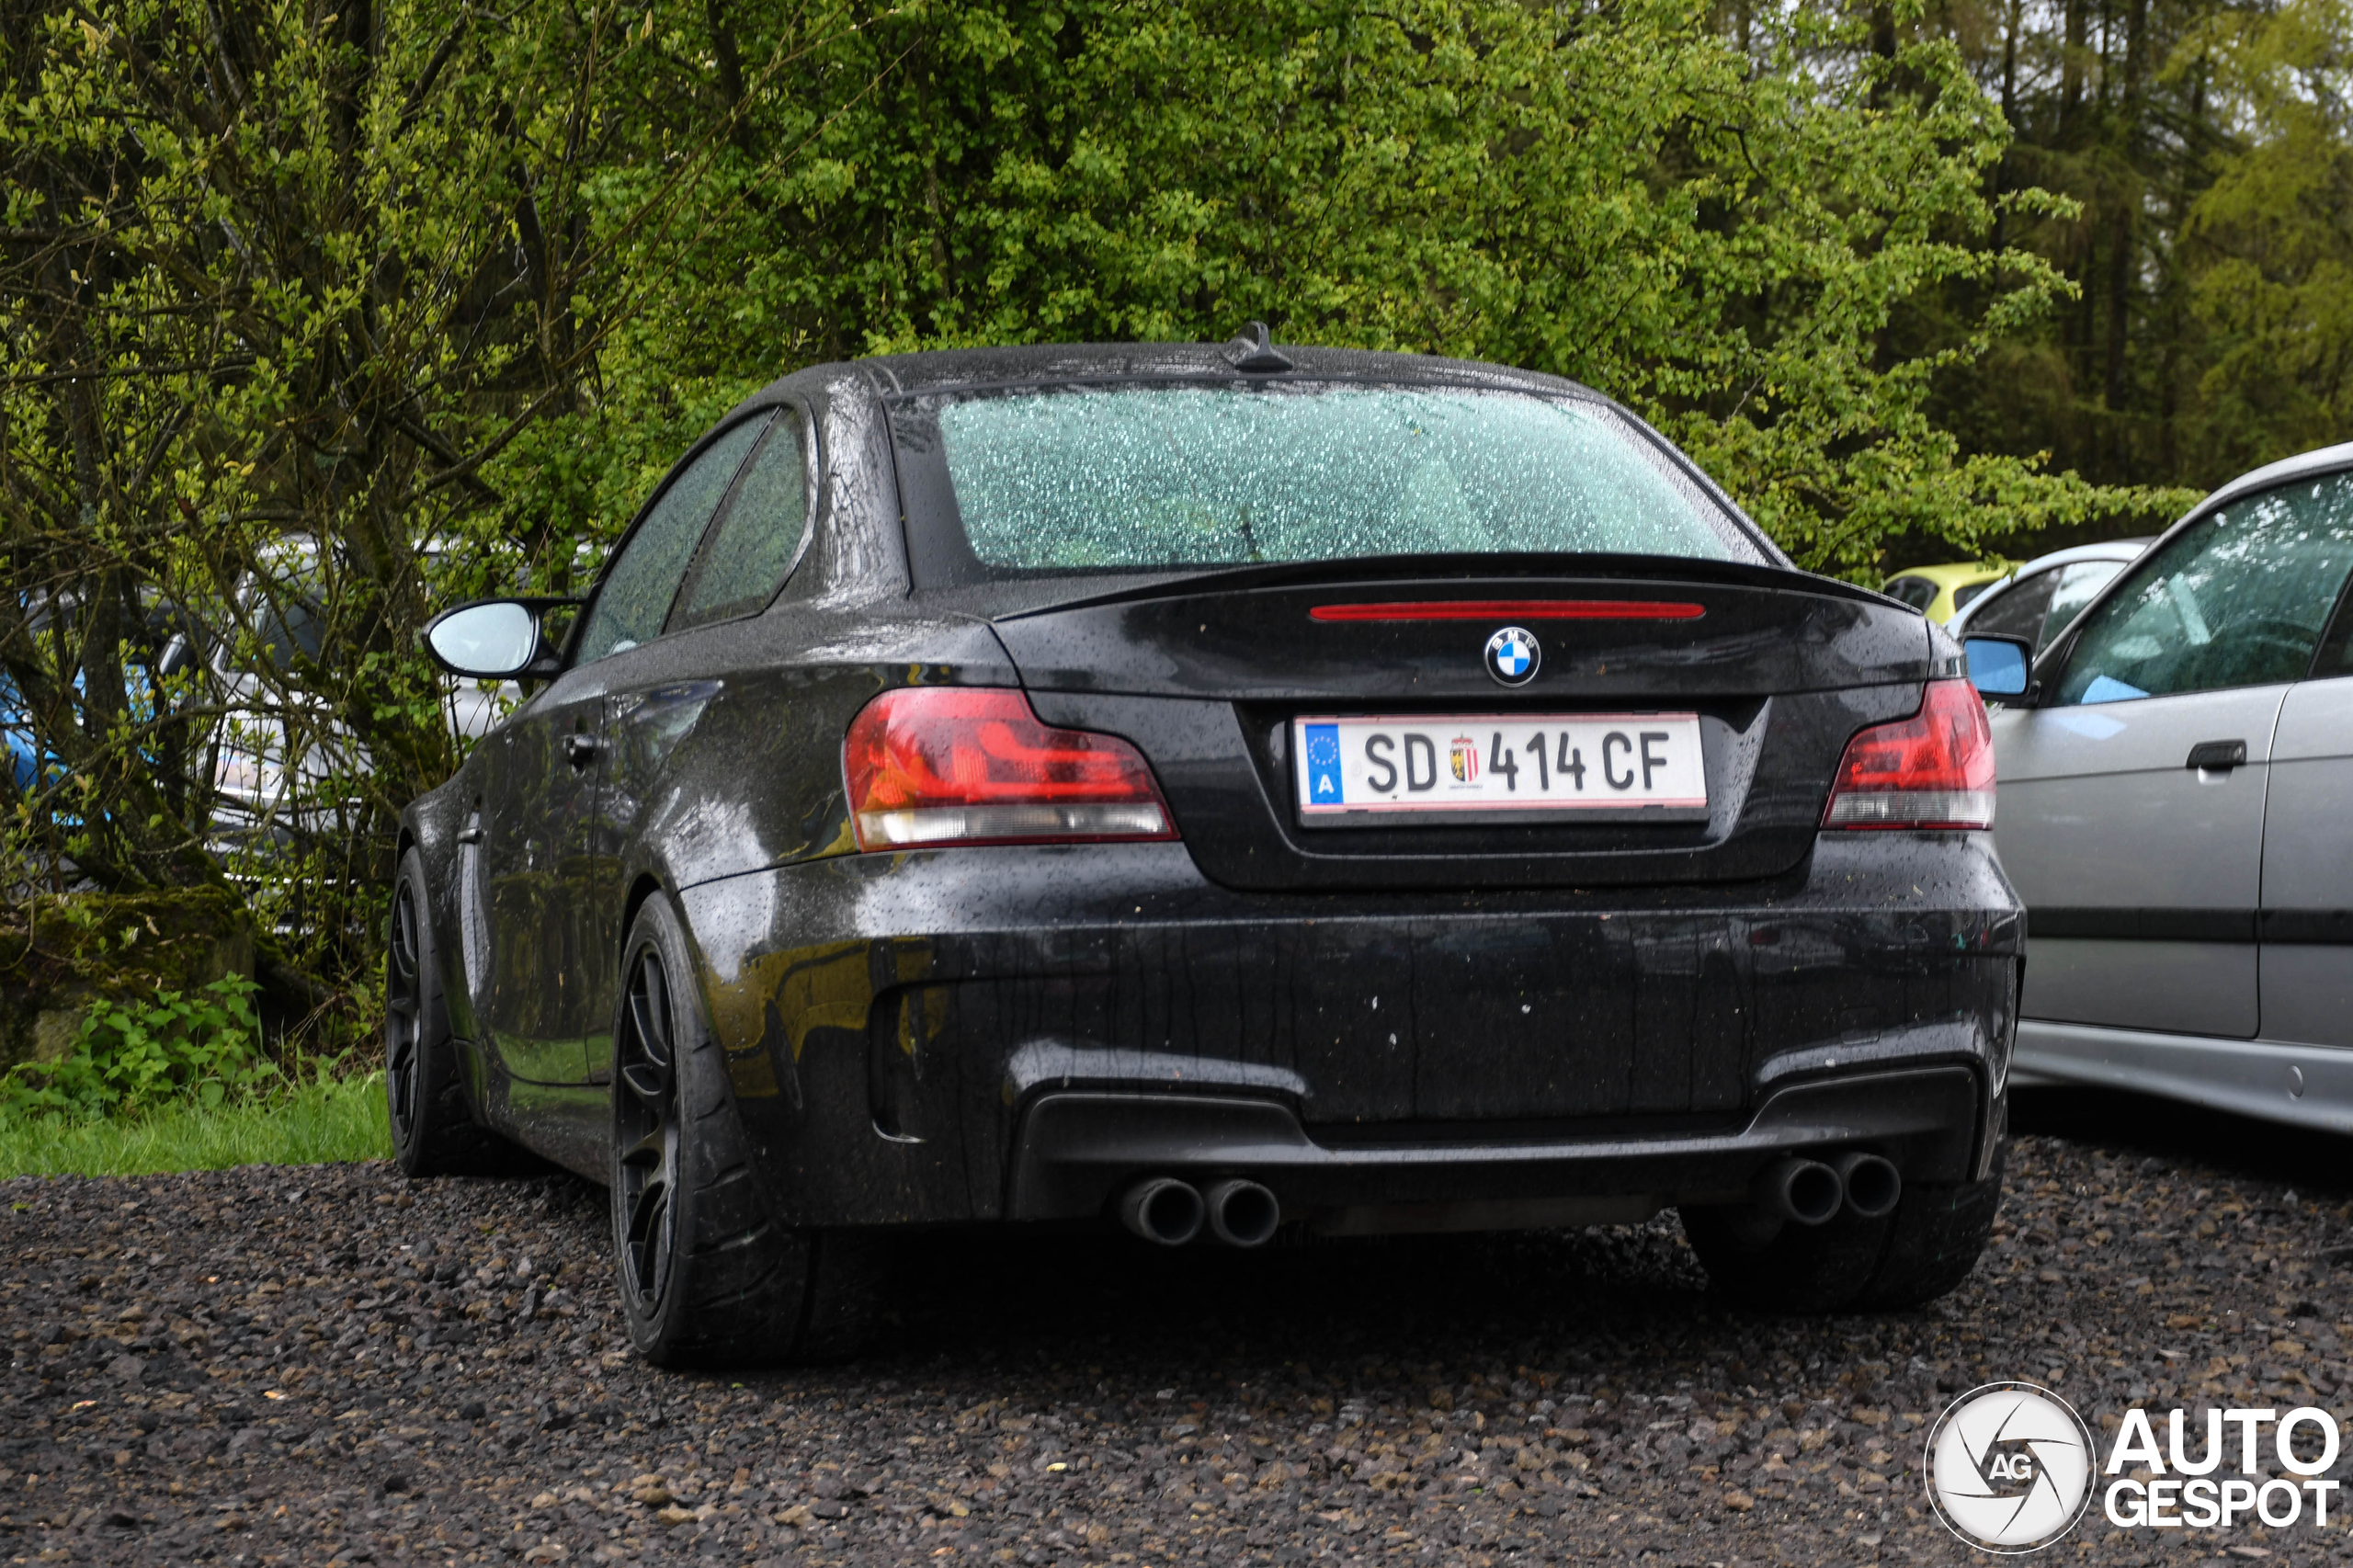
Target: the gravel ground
(325, 1365)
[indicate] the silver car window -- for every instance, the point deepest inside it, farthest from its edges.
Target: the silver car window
(2237, 598)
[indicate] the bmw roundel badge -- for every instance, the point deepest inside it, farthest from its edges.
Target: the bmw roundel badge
(1513, 655)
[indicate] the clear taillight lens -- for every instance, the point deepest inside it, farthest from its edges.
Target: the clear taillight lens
(1934, 769)
(974, 765)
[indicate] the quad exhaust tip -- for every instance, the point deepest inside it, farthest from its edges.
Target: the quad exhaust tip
(1242, 1213)
(1811, 1192)
(1163, 1210)
(1170, 1212)
(1805, 1191)
(1872, 1184)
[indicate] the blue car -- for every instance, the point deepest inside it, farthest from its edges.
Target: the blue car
(166, 649)
(24, 763)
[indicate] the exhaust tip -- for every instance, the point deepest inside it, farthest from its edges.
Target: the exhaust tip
(1163, 1210)
(1873, 1184)
(1805, 1190)
(1242, 1213)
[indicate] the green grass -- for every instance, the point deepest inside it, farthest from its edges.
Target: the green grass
(310, 1124)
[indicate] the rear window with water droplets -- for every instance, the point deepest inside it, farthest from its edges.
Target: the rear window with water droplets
(1127, 477)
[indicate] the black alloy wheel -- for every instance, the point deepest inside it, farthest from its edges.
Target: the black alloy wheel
(433, 1130)
(404, 1016)
(709, 1277)
(645, 1133)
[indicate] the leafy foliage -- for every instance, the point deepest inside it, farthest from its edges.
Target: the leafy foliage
(2204, 153)
(132, 1055)
(315, 317)
(1718, 234)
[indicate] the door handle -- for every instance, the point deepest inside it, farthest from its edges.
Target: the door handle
(581, 750)
(2217, 757)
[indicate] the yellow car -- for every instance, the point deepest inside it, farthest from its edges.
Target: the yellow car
(1938, 591)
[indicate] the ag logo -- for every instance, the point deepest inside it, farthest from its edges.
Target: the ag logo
(2013, 1462)
(2009, 1467)
(1513, 655)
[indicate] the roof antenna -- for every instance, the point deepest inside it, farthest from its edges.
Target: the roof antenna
(1250, 350)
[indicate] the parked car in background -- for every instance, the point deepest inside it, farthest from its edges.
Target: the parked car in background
(2040, 599)
(27, 756)
(154, 649)
(2176, 786)
(287, 806)
(271, 724)
(1938, 592)
(1208, 788)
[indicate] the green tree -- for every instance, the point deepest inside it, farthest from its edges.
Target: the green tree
(1722, 236)
(337, 311)
(2201, 146)
(277, 283)
(2269, 242)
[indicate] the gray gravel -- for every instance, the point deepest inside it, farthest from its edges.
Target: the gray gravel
(327, 1365)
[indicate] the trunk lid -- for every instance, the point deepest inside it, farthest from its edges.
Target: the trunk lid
(1206, 676)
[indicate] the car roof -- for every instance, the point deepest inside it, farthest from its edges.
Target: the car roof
(2321, 460)
(942, 370)
(951, 369)
(2105, 550)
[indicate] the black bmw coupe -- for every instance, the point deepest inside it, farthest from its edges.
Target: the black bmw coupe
(1232, 791)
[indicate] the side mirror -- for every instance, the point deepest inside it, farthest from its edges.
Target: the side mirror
(177, 656)
(2000, 666)
(493, 639)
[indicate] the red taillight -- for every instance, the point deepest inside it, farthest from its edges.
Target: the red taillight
(1934, 769)
(971, 764)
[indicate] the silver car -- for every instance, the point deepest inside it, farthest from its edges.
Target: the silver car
(2176, 810)
(269, 718)
(2041, 598)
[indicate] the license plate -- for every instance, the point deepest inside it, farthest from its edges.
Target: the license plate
(1492, 763)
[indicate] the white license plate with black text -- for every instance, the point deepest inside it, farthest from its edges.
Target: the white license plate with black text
(1494, 762)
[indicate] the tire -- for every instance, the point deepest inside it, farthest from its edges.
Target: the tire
(707, 1277)
(1940, 1229)
(1923, 1249)
(434, 1132)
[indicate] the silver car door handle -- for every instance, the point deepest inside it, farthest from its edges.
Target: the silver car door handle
(2217, 757)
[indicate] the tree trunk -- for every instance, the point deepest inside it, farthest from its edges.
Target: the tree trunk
(2123, 226)
(2012, 17)
(2071, 69)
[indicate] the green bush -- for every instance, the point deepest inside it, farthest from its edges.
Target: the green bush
(132, 1055)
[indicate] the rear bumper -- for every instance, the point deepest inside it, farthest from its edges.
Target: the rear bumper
(1018, 1034)
(1078, 1150)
